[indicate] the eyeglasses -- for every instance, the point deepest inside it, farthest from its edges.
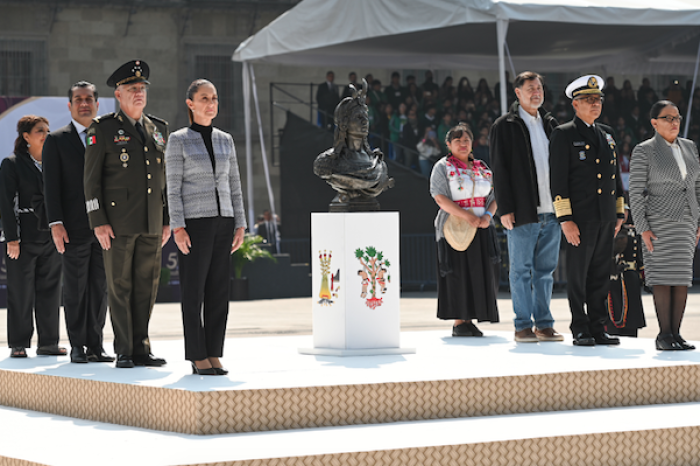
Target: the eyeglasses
(592, 100)
(671, 119)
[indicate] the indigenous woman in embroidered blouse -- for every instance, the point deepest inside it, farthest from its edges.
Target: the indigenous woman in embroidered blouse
(208, 222)
(665, 198)
(467, 280)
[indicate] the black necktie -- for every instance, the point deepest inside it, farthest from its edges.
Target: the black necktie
(83, 136)
(139, 128)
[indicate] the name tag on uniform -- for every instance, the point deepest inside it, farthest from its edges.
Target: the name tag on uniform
(579, 143)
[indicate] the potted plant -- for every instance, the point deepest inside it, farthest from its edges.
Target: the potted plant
(248, 252)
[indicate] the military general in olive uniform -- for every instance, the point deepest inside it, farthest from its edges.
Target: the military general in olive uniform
(588, 202)
(126, 204)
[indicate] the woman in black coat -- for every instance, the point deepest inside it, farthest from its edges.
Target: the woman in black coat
(33, 264)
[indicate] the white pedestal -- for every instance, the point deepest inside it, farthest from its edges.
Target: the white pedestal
(356, 306)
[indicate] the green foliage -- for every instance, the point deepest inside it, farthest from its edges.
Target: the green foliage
(248, 252)
(359, 253)
(371, 251)
(164, 276)
(386, 263)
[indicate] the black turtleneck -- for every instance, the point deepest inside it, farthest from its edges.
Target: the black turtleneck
(206, 131)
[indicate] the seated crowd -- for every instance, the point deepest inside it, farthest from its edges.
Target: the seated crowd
(409, 121)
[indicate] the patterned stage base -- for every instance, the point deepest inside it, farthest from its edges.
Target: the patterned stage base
(273, 388)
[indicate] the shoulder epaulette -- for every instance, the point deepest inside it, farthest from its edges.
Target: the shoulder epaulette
(106, 116)
(159, 120)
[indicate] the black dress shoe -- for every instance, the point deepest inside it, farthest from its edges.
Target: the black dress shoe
(666, 342)
(603, 338)
(466, 329)
(124, 361)
(98, 355)
(584, 339)
(684, 344)
(207, 371)
(77, 355)
(221, 371)
(148, 360)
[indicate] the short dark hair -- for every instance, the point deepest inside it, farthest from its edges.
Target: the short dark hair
(82, 85)
(456, 132)
(658, 107)
(395, 74)
(527, 76)
(25, 125)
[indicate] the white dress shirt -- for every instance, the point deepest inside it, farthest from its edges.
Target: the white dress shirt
(540, 154)
(676, 150)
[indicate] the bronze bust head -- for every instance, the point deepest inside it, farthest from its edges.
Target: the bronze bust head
(358, 173)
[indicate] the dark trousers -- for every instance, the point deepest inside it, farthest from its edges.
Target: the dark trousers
(204, 286)
(84, 293)
(588, 276)
(132, 266)
(33, 284)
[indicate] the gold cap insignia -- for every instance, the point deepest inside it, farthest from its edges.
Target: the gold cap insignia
(593, 82)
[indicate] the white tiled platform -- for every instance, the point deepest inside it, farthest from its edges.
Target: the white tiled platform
(58, 441)
(273, 362)
(458, 393)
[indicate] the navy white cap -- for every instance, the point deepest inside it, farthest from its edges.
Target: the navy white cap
(585, 85)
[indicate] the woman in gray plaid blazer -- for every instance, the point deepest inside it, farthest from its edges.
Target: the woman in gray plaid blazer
(208, 222)
(664, 197)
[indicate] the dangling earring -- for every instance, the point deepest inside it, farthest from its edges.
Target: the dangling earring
(28, 145)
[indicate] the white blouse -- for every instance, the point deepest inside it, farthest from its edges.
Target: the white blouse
(462, 181)
(676, 149)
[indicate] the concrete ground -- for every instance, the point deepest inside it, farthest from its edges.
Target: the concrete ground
(293, 317)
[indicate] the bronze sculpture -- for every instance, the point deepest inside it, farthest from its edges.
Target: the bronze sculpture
(358, 173)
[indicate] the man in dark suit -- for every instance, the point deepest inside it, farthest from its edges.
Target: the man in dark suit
(589, 203)
(126, 204)
(327, 99)
(84, 282)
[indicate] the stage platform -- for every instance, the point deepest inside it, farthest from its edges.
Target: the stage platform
(273, 387)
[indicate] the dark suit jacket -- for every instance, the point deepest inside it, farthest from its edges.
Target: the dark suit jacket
(124, 177)
(327, 98)
(584, 173)
(63, 160)
(19, 177)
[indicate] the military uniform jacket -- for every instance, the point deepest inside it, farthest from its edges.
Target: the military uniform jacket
(585, 176)
(125, 177)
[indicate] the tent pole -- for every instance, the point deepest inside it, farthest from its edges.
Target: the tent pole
(248, 146)
(266, 167)
(510, 60)
(501, 32)
(692, 91)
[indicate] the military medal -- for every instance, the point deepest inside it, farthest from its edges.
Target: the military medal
(124, 157)
(158, 138)
(582, 155)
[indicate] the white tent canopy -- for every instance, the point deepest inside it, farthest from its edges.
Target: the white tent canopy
(623, 36)
(648, 35)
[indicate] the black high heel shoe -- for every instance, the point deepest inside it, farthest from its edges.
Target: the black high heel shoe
(666, 342)
(208, 371)
(684, 344)
(220, 370)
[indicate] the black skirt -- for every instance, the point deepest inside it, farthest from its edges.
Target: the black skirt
(469, 291)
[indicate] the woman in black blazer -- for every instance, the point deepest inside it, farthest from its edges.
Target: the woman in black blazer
(33, 264)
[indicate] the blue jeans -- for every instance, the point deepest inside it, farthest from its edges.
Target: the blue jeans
(534, 253)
